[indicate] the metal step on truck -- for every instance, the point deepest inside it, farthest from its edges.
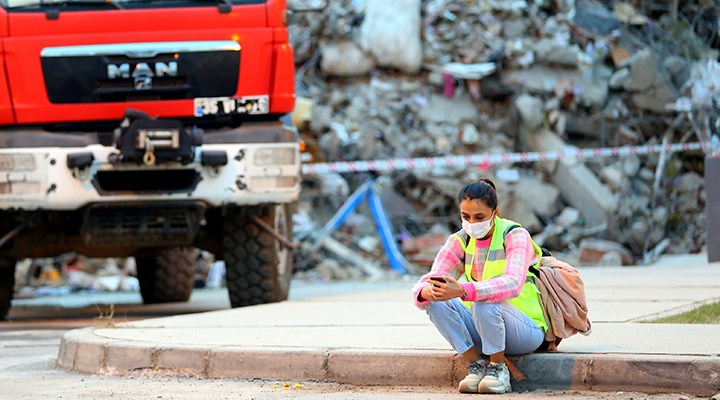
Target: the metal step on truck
(149, 128)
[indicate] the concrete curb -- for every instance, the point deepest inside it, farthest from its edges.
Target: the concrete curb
(696, 375)
(83, 351)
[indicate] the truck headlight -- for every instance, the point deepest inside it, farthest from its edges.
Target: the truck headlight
(275, 156)
(17, 162)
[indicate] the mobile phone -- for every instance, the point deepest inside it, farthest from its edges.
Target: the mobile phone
(438, 279)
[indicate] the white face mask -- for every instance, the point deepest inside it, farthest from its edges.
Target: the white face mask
(477, 230)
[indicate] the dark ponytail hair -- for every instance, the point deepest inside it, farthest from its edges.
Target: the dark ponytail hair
(483, 189)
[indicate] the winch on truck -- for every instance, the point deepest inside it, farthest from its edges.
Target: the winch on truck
(150, 129)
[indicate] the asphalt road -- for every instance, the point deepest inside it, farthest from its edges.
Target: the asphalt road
(29, 346)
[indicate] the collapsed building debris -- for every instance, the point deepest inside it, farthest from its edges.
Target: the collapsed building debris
(508, 76)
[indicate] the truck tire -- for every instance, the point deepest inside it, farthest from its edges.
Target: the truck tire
(168, 276)
(258, 265)
(7, 285)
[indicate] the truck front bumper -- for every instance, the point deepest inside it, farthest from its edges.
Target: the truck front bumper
(70, 178)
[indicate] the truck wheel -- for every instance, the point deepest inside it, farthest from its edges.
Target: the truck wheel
(258, 265)
(168, 276)
(7, 285)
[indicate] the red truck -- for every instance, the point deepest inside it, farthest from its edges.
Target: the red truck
(149, 128)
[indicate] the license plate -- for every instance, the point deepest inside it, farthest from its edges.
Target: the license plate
(253, 105)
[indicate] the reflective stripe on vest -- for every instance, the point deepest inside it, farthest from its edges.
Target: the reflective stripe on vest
(528, 301)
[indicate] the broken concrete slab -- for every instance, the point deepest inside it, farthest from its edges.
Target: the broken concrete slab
(658, 99)
(541, 197)
(515, 209)
(594, 18)
(421, 250)
(440, 109)
(551, 52)
(619, 78)
(372, 269)
(592, 89)
(568, 217)
(345, 59)
(592, 251)
(581, 125)
(652, 89)
(531, 111)
(391, 33)
(577, 184)
(468, 71)
(615, 178)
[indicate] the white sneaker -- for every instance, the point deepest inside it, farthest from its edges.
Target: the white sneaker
(496, 380)
(476, 371)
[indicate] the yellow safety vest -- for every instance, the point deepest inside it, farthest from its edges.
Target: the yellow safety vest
(529, 299)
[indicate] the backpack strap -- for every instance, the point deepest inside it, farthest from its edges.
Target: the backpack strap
(545, 252)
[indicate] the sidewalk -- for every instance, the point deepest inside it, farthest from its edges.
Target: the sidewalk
(380, 338)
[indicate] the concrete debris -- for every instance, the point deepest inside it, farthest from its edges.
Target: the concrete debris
(701, 92)
(334, 188)
(579, 186)
(531, 111)
(652, 89)
(568, 217)
(586, 88)
(549, 51)
(593, 19)
(351, 257)
(620, 56)
(614, 178)
(215, 275)
(345, 59)
(421, 250)
(542, 198)
(592, 251)
(331, 270)
(626, 13)
(627, 136)
(619, 79)
(515, 209)
(71, 273)
(302, 114)
(391, 33)
(469, 71)
(456, 77)
(469, 135)
(440, 109)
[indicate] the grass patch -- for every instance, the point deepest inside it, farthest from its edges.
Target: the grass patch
(707, 314)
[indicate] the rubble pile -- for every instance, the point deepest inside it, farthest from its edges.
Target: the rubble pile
(512, 76)
(72, 273)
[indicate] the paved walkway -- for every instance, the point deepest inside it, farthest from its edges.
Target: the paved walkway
(380, 338)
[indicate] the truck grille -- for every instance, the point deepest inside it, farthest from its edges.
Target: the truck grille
(147, 224)
(140, 71)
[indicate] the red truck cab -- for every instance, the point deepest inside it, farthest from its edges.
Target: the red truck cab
(69, 61)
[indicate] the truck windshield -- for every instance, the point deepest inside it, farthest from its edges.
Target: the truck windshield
(10, 4)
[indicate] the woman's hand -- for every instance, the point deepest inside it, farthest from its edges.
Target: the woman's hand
(439, 291)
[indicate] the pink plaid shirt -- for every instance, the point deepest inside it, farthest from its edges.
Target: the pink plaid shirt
(450, 261)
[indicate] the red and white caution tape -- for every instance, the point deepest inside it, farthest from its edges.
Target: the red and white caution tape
(487, 159)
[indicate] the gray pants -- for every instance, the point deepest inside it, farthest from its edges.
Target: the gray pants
(491, 327)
